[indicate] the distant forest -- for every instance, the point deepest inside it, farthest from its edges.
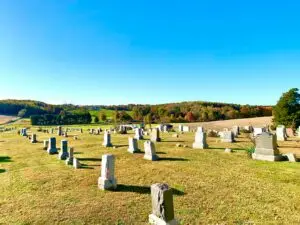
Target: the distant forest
(197, 111)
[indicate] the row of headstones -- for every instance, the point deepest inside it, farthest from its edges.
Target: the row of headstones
(65, 153)
(161, 194)
(149, 146)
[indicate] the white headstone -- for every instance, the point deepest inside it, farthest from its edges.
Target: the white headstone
(150, 151)
(107, 181)
(133, 145)
(200, 141)
(107, 139)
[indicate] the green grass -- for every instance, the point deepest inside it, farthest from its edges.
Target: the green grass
(212, 187)
(108, 113)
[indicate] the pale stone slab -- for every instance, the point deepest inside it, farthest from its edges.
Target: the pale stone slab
(150, 151)
(69, 160)
(133, 145)
(155, 136)
(107, 140)
(200, 141)
(107, 181)
(227, 137)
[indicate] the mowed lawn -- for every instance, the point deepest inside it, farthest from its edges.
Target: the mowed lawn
(210, 186)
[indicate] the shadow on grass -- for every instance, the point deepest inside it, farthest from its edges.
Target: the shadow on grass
(287, 147)
(172, 141)
(161, 153)
(77, 153)
(89, 159)
(87, 167)
(120, 146)
(142, 189)
(172, 159)
(2, 170)
(4, 159)
(233, 149)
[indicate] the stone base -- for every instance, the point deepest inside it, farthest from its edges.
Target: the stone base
(33, 142)
(63, 156)
(151, 157)
(69, 161)
(52, 151)
(157, 221)
(199, 146)
(133, 151)
(271, 158)
(105, 184)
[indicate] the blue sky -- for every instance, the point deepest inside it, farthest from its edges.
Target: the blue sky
(159, 51)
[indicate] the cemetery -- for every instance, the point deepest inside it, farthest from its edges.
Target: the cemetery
(149, 176)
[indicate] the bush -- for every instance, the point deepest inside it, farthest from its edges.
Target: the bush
(96, 120)
(212, 133)
(250, 151)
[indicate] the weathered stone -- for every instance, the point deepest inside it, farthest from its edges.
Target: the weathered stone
(162, 205)
(236, 131)
(69, 160)
(133, 145)
(107, 181)
(107, 139)
(138, 134)
(46, 144)
(150, 151)
(186, 129)
(200, 129)
(52, 146)
(155, 137)
(228, 150)
(122, 130)
(290, 132)
(23, 132)
(200, 141)
(227, 137)
(59, 131)
(180, 128)
(248, 128)
(281, 133)
(63, 154)
(33, 138)
(258, 130)
(66, 134)
(266, 148)
(76, 163)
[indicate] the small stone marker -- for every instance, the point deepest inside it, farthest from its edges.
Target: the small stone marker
(75, 138)
(133, 145)
(69, 160)
(138, 134)
(227, 137)
(52, 146)
(46, 143)
(23, 132)
(281, 133)
(266, 148)
(175, 135)
(150, 151)
(33, 138)
(290, 132)
(81, 130)
(200, 140)
(180, 128)
(76, 163)
(107, 181)
(66, 134)
(162, 205)
(258, 130)
(186, 129)
(236, 131)
(107, 139)
(228, 150)
(63, 155)
(59, 131)
(155, 135)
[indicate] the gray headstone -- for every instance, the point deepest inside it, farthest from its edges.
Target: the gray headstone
(162, 205)
(150, 151)
(180, 128)
(33, 138)
(227, 137)
(69, 160)
(236, 131)
(200, 141)
(281, 133)
(155, 137)
(59, 131)
(107, 139)
(107, 181)
(266, 148)
(46, 143)
(138, 134)
(63, 154)
(133, 145)
(52, 146)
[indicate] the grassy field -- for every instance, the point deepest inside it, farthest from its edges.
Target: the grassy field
(108, 113)
(211, 187)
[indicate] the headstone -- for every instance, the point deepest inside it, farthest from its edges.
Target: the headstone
(200, 129)
(63, 155)
(133, 145)
(227, 137)
(175, 136)
(155, 137)
(200, 141)
(180, 128)
(258, 130)
(107, 181)
(122, 130)
(162, 205)
(46, 143)
(228, 150)
(66, 134)
(59, 131)
(186, 129)
(51, 131)
(76, 163)
(107, 139)
(23, 132)
(81, 130)
(236, 131)
(52, 146)
(138, 134)
(248, 128)
(150, 151)
(69, 160)
(290, 132)
(266, 148)
(281, 133)
(33, 138)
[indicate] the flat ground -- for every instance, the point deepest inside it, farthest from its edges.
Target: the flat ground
(211, 187)
(6, 119)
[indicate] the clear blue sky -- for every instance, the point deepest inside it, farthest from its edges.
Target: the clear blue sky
(158, 51)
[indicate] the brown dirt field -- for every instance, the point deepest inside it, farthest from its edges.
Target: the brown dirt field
(6, 119)
(219, 125)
